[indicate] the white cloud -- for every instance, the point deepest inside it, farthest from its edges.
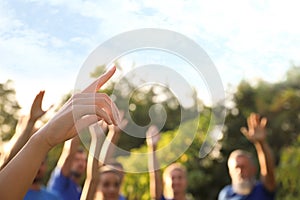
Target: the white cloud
(245, 39)
(34, 60)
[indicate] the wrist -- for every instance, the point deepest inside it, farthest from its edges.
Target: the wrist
(45, 137)
(41, 142)
(152, 147)
(32, 119)
(259, 142)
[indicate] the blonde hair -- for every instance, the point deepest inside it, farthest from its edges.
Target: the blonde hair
(168, 191)
(109, 169)
(172, 167)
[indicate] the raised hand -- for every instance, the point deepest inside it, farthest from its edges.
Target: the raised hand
(122, 124)
(82, 110)
(256, 131)
(153, 136)
(36, 110)
(103, 127)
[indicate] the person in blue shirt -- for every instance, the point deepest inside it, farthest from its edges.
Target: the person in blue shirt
(66, 177)
(104, 177)
(37, 191)
(242, 169)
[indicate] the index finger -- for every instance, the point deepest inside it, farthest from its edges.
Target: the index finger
(97, 84)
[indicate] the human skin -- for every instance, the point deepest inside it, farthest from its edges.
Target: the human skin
(90, 107)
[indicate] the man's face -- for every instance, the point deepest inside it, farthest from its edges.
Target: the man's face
(242, 172)
(79, 163)
(241, 168)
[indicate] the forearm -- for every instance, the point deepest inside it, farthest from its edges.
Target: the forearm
(25, 164)
(20, 140)
(113, 138)
(155, 174)
(69, 150)
(266, 163)
(89, 189)
(92, 170)
(92, 179)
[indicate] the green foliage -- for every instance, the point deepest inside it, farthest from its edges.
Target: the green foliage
(9, 108)
(140, 102)
(136, 185)
(287, 172)
(279, 102)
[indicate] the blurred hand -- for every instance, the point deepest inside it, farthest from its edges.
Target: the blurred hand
(256, 131)
(36, 110)
(122, 124)
(152, 136)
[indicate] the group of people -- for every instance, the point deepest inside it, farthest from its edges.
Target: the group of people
(24, 166)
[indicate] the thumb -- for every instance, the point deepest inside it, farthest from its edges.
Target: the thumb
(244, 131)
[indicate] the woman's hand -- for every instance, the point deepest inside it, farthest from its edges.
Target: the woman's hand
(80, 111)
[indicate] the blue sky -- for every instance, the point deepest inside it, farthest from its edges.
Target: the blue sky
(43, 44)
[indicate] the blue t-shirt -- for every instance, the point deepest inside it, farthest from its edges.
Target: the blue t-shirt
(121, 197)
(259, 192)
(163, 198)
(42, 194)
(63, 185)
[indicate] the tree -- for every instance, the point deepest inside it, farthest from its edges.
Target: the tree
(287, 172)
(139, 101)
(9, 108)
(279, 102)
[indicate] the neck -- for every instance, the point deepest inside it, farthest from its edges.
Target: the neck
(179, 196)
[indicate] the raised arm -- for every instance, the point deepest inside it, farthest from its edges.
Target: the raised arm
(92, 172)
(26, 125)
(68, 154)
(256, 133)
(89, 106)
(113, 137)
(156, 189)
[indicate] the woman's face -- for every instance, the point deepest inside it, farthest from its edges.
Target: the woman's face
(179, 181)
(176, 181)
(109, 185)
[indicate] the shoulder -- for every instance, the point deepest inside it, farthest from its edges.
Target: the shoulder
(121, 197)
(57, 175)
(162, 198)
(56, 172)
(52, 195)
(43, 193)
(225, 192)
(227, 189)
(260, 190)
(57, 181)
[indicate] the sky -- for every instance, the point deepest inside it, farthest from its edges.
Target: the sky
(43, 44)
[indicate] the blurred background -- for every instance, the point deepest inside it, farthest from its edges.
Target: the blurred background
(253, 44)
